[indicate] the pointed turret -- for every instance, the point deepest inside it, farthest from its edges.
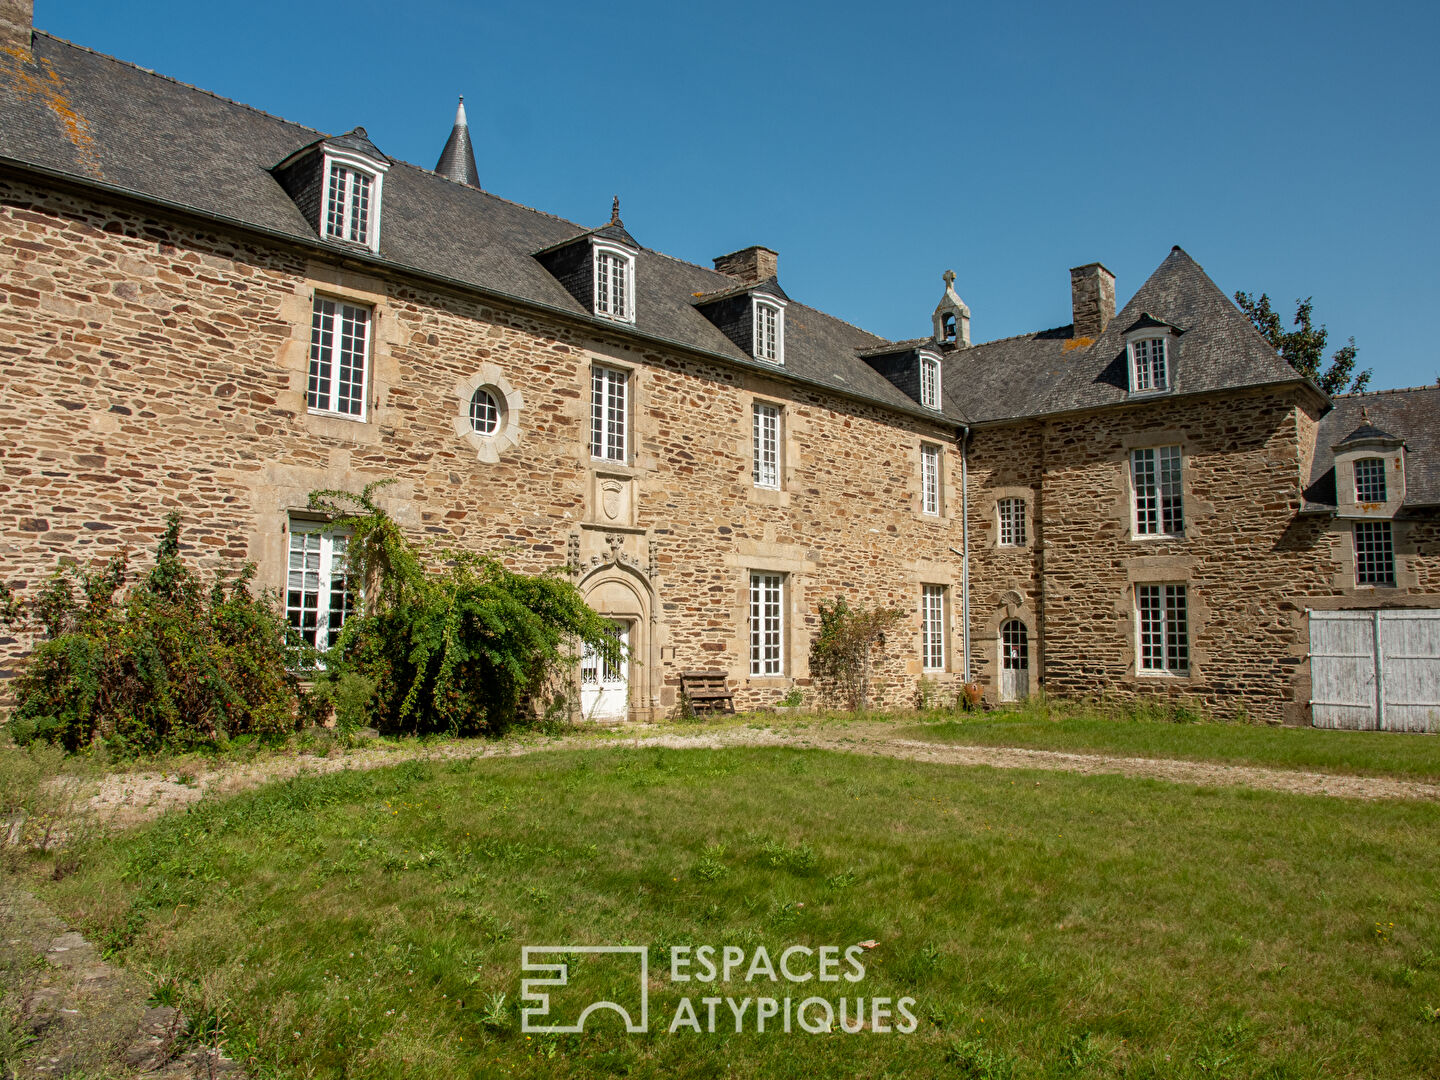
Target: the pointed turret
(457, 160)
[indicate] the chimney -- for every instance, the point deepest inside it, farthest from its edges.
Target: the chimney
(751, 264)
(1092, 299)
(17, 24)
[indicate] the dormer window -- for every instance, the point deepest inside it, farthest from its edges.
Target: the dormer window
(929, 381)
(1148, 367)
(336, 183)
(614, 282)
(769, 331)
(1370, 480)
(1150, 350)
(347, 204)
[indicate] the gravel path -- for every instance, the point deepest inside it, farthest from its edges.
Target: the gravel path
(124, 799)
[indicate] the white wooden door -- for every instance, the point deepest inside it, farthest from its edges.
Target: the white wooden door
(604, 687)
(1014, 661)
(1375, 670)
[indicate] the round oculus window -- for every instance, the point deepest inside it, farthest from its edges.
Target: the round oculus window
(484, 412)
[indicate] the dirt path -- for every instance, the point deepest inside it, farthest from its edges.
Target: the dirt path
(124, 799)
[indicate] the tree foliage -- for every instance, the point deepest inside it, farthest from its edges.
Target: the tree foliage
(166, 664)
(843, 653)
(1303, 348)
(459, 647)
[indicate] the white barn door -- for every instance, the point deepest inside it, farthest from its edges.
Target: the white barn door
(1375, 670)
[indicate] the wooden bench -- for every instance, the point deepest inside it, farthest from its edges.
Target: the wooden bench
(708, 691)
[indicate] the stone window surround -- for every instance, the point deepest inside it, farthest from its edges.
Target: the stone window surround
(1342, 552)
(1194, 511)
(491, 378)
(992, 511)
(375, 170)
(789, 445)
(789, 561)
(1162, 570)
(611, 355)
(945, 496)
(1150, 333)
(381, 370)
(626, 258)
(925, 572)
(630, 372)
(946, 652)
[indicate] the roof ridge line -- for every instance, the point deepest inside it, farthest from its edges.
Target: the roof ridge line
(1391, 390)
(1014, 337)
(179, 82)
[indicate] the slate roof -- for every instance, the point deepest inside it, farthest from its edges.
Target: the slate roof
(1052, 371)
(96, 119)
(1413, 415)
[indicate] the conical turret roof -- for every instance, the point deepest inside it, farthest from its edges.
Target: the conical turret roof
(457, 160)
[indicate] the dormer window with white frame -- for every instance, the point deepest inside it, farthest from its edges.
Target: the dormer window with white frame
(1149, 365)
(769, 330)
(614, 282)
(350, 202)
(929, 381)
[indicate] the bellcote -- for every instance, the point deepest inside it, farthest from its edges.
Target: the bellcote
(952, 318)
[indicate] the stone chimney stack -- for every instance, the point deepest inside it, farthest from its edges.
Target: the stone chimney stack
(1092, 299)
(749, 264)
(17, 24)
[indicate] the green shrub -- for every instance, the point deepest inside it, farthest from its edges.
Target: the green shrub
(457, 649)
(165, 664)
(843, 652)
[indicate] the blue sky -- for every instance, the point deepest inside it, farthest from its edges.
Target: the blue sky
(1290, 148)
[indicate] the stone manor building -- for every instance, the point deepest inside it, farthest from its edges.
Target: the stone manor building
(208, 308)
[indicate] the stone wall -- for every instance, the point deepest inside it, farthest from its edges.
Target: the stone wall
(152, 365)
(1240, 559)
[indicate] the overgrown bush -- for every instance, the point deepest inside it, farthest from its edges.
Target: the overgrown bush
(164, 664)
(844, 650)
(456, 649)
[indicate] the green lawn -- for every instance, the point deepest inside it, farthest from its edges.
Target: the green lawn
(1082, 730)
(364, 924)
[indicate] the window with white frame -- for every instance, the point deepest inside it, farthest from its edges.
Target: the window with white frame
(1370, 480)
(1012, 522)
(769, 331)
(1374, 553)
(339, 357)
(930, 381)
(349, 197)
(932, 627)
(1155, 473)
(317, 588)
(609, 414)
(767, 445)
(614, 283)
(484, 412)
(929, 479)
(1163, 628)
(1149, 364)
(767, 624)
